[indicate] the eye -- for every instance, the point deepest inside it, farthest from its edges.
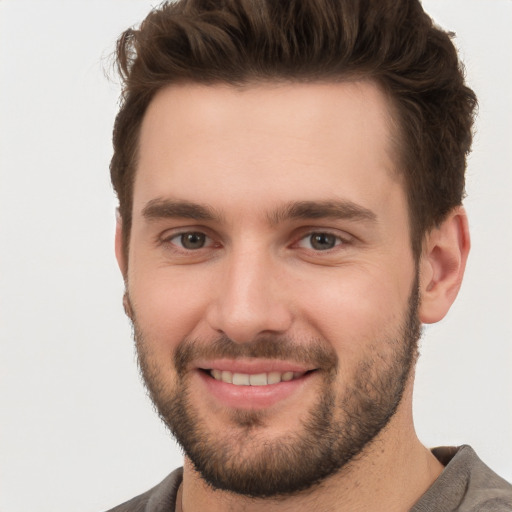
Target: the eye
(191, 240)
(320, 241)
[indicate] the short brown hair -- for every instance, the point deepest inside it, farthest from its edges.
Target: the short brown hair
(392, 42)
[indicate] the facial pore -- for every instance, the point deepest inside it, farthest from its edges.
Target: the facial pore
(338, 428)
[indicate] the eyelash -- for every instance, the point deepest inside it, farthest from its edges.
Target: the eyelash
(169, 240)
(338, 240)
(209, 241)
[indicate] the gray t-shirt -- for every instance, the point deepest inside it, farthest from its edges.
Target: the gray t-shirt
(465, 485)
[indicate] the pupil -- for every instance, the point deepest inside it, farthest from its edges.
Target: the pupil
(192, 240)
(323, 241)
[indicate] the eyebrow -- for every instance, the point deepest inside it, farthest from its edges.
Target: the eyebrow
(169, 209)
(340, 209)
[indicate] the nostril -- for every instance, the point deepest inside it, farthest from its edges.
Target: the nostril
(242, 324)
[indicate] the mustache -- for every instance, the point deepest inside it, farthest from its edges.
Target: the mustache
(316, 352)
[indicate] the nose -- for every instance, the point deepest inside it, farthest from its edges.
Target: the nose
(250, 299)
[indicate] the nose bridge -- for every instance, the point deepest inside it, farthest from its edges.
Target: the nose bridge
(249, 300)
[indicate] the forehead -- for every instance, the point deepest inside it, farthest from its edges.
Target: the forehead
(263, 143)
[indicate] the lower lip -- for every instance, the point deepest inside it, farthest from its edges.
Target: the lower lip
(252, 397)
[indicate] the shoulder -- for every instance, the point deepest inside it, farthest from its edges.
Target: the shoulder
(160, 498)
(466, 485)
(485, 490)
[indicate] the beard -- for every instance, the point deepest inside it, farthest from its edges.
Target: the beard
(334, 432)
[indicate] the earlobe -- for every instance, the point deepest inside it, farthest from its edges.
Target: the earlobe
(119, 249)
(442, 265)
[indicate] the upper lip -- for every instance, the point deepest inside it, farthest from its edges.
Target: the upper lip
(253, 366)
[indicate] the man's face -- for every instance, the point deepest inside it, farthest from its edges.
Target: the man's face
(271, 279)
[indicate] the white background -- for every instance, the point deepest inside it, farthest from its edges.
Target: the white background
(77, 432)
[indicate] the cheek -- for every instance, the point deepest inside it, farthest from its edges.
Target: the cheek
(356, 310)
(168, 305)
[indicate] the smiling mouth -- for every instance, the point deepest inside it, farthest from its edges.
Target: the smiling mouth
(258, 379)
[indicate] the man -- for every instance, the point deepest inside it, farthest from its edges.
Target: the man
(290, 178)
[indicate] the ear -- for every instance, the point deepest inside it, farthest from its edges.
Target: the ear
(121, 261)
(442, 265)
(120, 256)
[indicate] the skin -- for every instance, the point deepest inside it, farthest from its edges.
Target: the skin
(248, 153)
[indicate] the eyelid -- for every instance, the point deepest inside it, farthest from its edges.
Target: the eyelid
(168, 236)
(342, 238)
(179, 236)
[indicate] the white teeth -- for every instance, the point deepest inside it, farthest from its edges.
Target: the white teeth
(226, 377)
(259, 379)
(241, 379)
(274, 378)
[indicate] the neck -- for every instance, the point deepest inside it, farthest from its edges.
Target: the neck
(391, 474)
